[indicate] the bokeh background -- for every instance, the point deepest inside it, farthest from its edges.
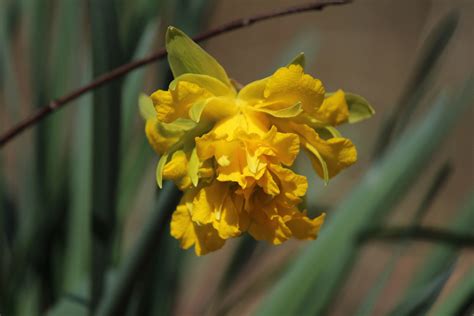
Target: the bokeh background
(52, 175)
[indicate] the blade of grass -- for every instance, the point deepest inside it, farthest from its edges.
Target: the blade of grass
(116, 299)
(133, 84)
(455, 302)
(316, 272)
(440, 257)
(78, 239)
(417, 86)
(106, 141)
(136, 154)
(420, 302)
(159, 291)
(437, 183)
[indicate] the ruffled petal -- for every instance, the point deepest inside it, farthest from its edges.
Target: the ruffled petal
(204, 237)
(159, 139)
(334, 110)
(290, 85)
(304, 228)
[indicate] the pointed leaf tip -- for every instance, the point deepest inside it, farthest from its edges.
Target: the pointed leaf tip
(299, 59)
(185, 56)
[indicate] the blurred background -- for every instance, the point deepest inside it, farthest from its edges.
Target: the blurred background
(77, 190)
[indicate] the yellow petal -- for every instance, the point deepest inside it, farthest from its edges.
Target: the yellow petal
(302, 227)
(334, 110)
(176, 103)
(216, 204)
(177, 170)
(292, 185)
(204, 237)
(268, 184)
(289, 85)
(271, 229)
(285, 145)
(182, 227)
(211, 84)
(177, 167)
(335, 154)
(159, 140)
(339, 153)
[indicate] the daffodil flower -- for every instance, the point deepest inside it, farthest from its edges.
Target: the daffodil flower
(231, 151)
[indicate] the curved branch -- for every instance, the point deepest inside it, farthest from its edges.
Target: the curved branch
(126, 68)
(419, 233)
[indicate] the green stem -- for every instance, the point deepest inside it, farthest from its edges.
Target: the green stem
(116, 299)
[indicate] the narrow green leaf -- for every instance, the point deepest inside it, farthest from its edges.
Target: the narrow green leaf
(327, 132)
(291, 111)
(106, 142)
(145, 104)
(454, 302)
(117, 295)
(193, 167)
(371, 298)
(78, 239)
(179, 125)
(323, 163)
(421, 78)
(196, 110)
(442, 256)
(318, 269)
(359, 108)
(159, 169)
(418, 303)
(134, 83)
(185, 56)
(298, 60)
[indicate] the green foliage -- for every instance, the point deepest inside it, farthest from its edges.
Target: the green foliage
(185, 56)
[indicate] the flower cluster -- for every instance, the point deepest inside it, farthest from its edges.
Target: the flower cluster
(231, 151)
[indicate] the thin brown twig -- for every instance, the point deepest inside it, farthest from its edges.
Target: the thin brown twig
(126, 68)
(429, 234)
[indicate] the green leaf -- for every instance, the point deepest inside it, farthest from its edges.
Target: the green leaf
(454, 302)
(291, 111)
(78, 226)
(359, 108)
(193, 167)
(134, 82)
(427, 66)
(418, 303)
(179, 125)
(326, 132)
(185, 56)
(147, 109)
(323, 264)
(298, 60)
(440, 179)
(107, 55)
(131, 269)
(196, 110)
(323, 163)
(159, 169)
(442, 256)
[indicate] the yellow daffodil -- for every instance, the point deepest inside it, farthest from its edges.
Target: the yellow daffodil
(231, 151)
